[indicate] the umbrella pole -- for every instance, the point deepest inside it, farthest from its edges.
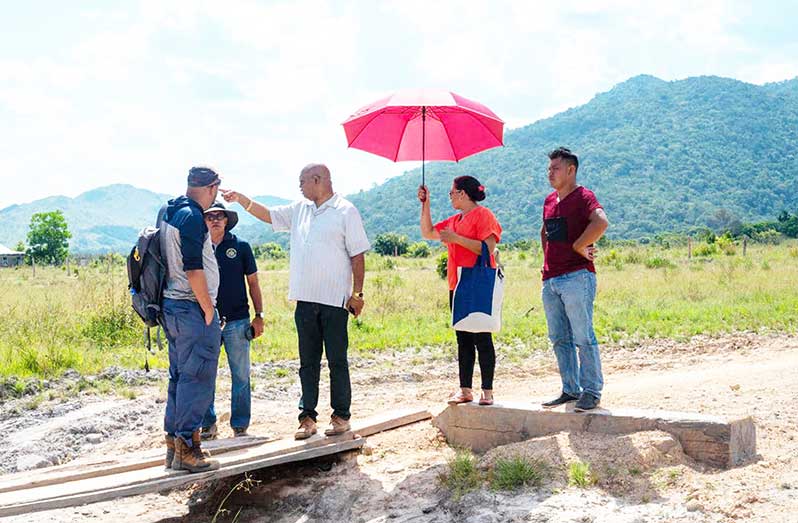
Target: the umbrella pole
(423, 141)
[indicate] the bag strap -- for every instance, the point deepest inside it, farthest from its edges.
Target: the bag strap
(148, 345)
(484, 259)
(160, 216)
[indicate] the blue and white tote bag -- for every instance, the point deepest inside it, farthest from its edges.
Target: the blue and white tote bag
(477, 303)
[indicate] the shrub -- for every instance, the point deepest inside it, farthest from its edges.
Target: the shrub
(726, 244)
(440, 264)
(658, 262)
(768, 237)
(271, 250)
(419, 250)
(705, 250)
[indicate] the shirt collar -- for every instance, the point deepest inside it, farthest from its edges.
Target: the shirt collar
(331, 202)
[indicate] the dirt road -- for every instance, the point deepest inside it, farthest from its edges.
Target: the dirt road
(397, 479)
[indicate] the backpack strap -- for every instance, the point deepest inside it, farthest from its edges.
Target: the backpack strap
(160, 217)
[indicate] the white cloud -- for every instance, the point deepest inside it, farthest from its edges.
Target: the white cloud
(140, 93)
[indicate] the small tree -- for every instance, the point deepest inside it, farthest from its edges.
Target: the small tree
(48, 237)
(390, 244)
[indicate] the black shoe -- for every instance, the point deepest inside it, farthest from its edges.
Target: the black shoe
(586, 402)
(240, 432)
(564, 398)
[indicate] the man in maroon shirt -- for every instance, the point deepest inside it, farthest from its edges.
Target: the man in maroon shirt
(573, 221)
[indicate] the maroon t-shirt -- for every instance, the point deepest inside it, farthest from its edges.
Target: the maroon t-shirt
(564, 221)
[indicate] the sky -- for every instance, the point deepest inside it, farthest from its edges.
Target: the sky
(100, 92)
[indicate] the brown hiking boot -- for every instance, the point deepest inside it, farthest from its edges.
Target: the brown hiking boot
(307, 428)
(337, 426)
(192, 458)
(170, 451)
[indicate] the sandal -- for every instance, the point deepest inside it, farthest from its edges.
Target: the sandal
(459, 397)
(485, 401)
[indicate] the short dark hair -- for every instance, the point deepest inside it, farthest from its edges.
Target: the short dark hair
(566, 155)
(471, 186)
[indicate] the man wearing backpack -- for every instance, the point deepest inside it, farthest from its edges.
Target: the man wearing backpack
(190, 318)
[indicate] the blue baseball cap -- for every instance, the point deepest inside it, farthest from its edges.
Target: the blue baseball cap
(203, 177)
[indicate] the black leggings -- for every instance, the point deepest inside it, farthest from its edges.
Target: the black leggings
(468, 344)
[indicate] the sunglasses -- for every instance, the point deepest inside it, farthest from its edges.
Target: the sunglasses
(215, 216)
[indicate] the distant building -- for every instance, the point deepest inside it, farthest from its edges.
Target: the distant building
(9, 258)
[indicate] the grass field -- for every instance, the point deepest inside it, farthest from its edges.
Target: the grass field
(53, 321)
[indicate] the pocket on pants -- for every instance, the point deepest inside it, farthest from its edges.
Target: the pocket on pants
(202, 362)
(170, 326)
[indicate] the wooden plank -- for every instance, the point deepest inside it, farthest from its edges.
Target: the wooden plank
(400, 418)
(172, 480)
(88, 469)
(124, 481)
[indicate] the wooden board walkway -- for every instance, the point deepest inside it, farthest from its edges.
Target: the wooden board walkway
(89, 468)
(72, 487)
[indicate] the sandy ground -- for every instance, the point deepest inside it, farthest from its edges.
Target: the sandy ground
(397, 477)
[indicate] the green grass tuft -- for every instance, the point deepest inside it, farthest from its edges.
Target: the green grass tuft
(516, 472)
(462, 474)
(580, 475)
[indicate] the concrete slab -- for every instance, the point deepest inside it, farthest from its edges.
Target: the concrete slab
(712, 440)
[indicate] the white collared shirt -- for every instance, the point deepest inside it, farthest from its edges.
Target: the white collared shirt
(323, 242)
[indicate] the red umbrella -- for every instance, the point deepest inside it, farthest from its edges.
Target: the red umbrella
(424, 124)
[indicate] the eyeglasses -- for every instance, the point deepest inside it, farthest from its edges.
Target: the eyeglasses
(452, 192)
(215, 216)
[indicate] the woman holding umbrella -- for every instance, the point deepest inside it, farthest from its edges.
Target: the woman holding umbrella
(463, 234)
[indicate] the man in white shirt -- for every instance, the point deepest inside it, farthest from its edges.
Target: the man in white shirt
(327, 268)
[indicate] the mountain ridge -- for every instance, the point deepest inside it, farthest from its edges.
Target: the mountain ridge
(660, 155)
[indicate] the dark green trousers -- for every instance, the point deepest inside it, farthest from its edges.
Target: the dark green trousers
(323, 327)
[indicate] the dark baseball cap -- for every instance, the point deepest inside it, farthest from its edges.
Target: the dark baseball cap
(232, 216)
(202, 177)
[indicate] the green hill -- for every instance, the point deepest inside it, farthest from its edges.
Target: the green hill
(109, 218)
(661, 156)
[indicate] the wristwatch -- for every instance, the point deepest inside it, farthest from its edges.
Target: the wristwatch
(259, 315)
(359, 294)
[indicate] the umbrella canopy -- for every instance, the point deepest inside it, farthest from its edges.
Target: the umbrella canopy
(424, 124)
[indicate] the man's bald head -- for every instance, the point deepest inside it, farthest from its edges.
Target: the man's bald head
(315, 182)
(316, 169)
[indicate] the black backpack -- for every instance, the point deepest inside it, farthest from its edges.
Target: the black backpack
(146, 274)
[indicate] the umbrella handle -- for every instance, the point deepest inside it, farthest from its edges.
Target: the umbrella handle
(423, 141)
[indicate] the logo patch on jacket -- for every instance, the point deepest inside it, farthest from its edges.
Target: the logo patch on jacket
(231, 253)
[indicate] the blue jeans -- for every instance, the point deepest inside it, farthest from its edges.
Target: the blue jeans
(568, 302)
(236, 345)
(193, 358)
